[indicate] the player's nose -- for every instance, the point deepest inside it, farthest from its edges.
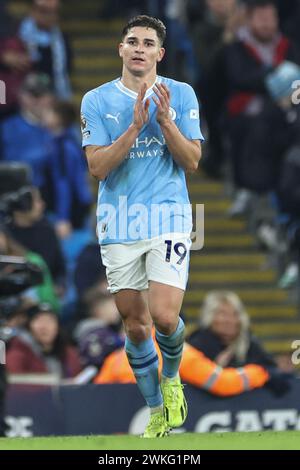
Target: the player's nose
(139, 48)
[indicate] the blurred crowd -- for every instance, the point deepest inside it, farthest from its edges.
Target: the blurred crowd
(248, 84)
(243, 59)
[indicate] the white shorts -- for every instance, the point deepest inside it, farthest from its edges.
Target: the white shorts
(132, 265)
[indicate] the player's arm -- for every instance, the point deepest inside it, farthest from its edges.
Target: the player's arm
(103, 159)
(185, 152)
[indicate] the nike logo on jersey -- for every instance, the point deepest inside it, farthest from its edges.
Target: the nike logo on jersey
(115, 118)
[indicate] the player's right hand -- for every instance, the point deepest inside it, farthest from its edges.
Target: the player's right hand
(141, 109)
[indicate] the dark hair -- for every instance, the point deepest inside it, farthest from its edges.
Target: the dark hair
(253, 4)
(37, 84)
(66, 112)
(61, 342)
(145, 21)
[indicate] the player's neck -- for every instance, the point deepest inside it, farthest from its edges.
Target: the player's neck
(134, 83)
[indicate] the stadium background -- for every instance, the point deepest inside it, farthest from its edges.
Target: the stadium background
(239, 254)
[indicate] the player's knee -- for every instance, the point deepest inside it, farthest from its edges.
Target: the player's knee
(137, 333)
(167, 325)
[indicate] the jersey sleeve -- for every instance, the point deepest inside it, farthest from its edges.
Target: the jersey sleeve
(92, 126)
(190, 120)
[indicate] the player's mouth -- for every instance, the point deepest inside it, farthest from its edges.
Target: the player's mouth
(138, 60)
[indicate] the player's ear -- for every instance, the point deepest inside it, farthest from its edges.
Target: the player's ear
(161, 54)
(121, 49)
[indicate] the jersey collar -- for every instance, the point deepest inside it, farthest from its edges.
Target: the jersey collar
(132, 93)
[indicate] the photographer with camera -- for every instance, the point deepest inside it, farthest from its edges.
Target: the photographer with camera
(22, 210)
(16, 275)
(44, 292)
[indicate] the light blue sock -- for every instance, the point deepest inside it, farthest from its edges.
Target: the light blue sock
(143, 360)
(171, 349)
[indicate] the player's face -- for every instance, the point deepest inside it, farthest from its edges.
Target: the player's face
(141, 50)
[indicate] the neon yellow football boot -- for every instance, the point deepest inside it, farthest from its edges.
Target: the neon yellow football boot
(157, 426)
(175, 406)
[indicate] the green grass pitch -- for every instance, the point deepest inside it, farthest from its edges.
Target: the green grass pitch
(288, 440)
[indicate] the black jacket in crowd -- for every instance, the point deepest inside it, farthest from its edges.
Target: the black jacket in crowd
(211, 345)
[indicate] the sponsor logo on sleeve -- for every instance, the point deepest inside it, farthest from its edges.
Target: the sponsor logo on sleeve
(83, 122)
(85, 133)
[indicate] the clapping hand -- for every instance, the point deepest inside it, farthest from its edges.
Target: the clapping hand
(162, 101)
(141, 109)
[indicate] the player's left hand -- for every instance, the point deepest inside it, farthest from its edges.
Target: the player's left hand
(162, 101)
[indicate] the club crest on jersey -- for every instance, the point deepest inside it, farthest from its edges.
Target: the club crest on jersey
(172, 113)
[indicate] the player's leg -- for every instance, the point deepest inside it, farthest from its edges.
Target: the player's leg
(142, 356)
(127, 280)
(165, 304)
(139, 344)
(167, 270)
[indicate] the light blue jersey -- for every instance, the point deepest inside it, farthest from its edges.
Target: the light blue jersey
(146, 195)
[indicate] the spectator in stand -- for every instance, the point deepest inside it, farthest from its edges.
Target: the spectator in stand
(196, 369)
(224, 333)
(217, 27)
(180, 60)
(72, 195)
(102, 306)
(14, 62)
(90, 273)
(30, 228)
(253, 64)
(25, 127)
(48, 48)
(41, 348)
(99, 334)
